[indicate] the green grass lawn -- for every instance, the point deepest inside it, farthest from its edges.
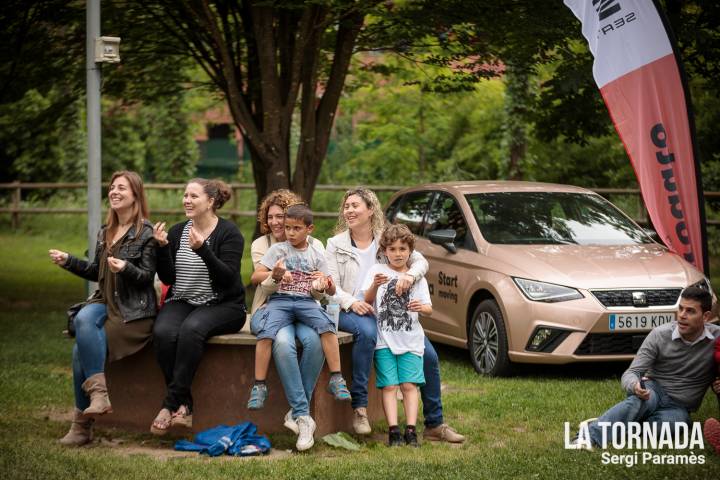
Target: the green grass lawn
(514, 426)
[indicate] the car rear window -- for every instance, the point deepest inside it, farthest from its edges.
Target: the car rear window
(552, 218)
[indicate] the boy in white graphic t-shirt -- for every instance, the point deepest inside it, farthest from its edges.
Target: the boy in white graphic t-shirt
(401, 340)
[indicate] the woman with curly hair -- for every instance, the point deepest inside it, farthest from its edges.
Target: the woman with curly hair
(350, 255)
(200, 260)
(298, 376)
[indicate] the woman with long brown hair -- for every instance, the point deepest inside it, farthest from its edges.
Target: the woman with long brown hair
(117, 320)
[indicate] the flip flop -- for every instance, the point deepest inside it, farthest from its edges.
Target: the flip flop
(182, 417)
(162, 422)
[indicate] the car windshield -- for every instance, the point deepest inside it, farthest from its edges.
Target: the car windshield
(552, 218)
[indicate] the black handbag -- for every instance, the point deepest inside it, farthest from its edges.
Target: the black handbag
(71, 313)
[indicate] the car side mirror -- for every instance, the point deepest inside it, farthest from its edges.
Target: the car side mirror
(446, 238)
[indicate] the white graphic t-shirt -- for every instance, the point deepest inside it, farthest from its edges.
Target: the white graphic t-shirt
(398, 329)
(300, 263)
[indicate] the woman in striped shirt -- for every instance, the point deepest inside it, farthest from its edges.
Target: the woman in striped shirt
(200, 260)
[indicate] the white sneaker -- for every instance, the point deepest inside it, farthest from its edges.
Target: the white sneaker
(291, 423)
(306, 426)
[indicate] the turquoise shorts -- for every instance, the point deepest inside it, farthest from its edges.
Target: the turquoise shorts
(391, 369)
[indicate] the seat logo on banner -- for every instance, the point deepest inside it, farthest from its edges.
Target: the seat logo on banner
(606, 8)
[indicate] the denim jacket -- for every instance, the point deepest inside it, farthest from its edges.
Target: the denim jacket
(134, 291)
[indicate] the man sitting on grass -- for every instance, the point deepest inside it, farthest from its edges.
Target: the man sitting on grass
(670, 373)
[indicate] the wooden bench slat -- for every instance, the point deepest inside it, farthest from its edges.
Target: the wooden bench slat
(250, 339)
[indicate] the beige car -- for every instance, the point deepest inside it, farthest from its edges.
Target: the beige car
(538, 273)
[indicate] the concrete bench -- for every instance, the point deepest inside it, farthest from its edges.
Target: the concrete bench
(221, 389)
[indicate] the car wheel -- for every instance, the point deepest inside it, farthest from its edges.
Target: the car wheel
(487, 340)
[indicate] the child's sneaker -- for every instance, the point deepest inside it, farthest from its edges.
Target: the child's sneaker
(395, 438)
(411, 437)
(338, 388)
(258, 395)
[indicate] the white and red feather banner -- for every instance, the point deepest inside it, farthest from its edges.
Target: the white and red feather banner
(637, 72)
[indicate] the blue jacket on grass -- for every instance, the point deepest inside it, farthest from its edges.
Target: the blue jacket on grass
(238, 440)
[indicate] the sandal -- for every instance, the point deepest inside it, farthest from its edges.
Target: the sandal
(182, 417)
(162, 422)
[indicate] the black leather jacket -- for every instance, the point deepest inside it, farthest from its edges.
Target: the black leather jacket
(134, 290)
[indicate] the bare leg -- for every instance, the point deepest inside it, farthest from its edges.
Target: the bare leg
(263, 352)
(389, 399)
(331, 349)
(410, 402)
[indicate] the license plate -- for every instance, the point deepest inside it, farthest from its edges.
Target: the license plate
(639, 321)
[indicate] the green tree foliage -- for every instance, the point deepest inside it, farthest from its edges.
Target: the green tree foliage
(390, 130)
(147, 124)
(41, 137)
(156, 139)
(388, 123)
(282, 65)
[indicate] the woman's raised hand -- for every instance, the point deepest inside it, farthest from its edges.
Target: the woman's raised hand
(160, 234)
(58, 257)
(116, 264)
(195, 239)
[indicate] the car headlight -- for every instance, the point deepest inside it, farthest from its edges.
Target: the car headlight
(546, 292)
(704, 284)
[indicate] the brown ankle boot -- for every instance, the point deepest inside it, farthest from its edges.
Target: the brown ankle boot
(95, 388)
(80, 431)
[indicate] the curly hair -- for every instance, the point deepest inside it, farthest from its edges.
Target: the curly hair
(377, 220)
(282, 198)
(397, 232)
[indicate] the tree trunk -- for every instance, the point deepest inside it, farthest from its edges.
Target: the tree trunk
(318, 116)
(516, 100)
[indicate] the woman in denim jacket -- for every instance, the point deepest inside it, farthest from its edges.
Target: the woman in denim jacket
(117, 319)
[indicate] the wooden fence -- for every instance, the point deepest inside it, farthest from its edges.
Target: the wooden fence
(15, 209)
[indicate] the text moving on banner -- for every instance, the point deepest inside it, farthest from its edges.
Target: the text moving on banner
(639, 79)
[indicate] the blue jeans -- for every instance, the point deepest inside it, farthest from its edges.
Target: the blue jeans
(90, 350)
(658, 408)
(298, 377)
(430, 392)
(283, 310)
(364, 331)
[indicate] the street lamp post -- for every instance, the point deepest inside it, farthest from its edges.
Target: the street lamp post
(94, 78)
(99, 50)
